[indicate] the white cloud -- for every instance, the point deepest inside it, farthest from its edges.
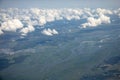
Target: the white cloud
(13, 19)
(42, 20)
(26, 30)
(46, 32)
(35, 11)
(103, 11)
(11, 25)
(54, 31)
(92, 22)
(49, 32)
(104, 19)
(117, 12)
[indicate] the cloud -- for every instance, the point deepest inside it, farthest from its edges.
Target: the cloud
(11, 25)
(103, 11)
(117, 12)
(24, 20)
(49, 32)
(26, 30)
(42, 20)
(92, 22)
(54, 31)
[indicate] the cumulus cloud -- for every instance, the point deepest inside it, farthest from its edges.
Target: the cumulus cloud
(54, 31)
(42, 20)
(11, 25)
(103, 11)
(92, 22)
(117, 12)
(13, 19)
(26, 30)
(49, 32)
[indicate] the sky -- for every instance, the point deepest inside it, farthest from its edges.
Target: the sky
(59, 3)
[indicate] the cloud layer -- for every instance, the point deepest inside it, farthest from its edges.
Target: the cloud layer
(25, 20)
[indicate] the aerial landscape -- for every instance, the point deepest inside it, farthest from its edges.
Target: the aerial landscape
(59, 40)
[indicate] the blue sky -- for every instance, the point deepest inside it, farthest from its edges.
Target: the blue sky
(59, 3)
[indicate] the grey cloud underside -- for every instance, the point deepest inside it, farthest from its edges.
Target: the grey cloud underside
(25, 20)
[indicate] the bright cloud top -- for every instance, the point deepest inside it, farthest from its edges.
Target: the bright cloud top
(26, 30)
(25, 20)
(91, 21)
(49, 32)
(11, 25)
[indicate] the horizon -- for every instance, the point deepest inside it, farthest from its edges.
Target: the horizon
(59, 4)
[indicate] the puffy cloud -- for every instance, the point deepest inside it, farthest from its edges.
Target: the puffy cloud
(11, 25)
(54, 31)
(42, 20)
(104, 19)
(117, 12)
(26, 30)
(35, 11)
(13, 19)
(103, 11)
(49, 32)
(91, 21)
